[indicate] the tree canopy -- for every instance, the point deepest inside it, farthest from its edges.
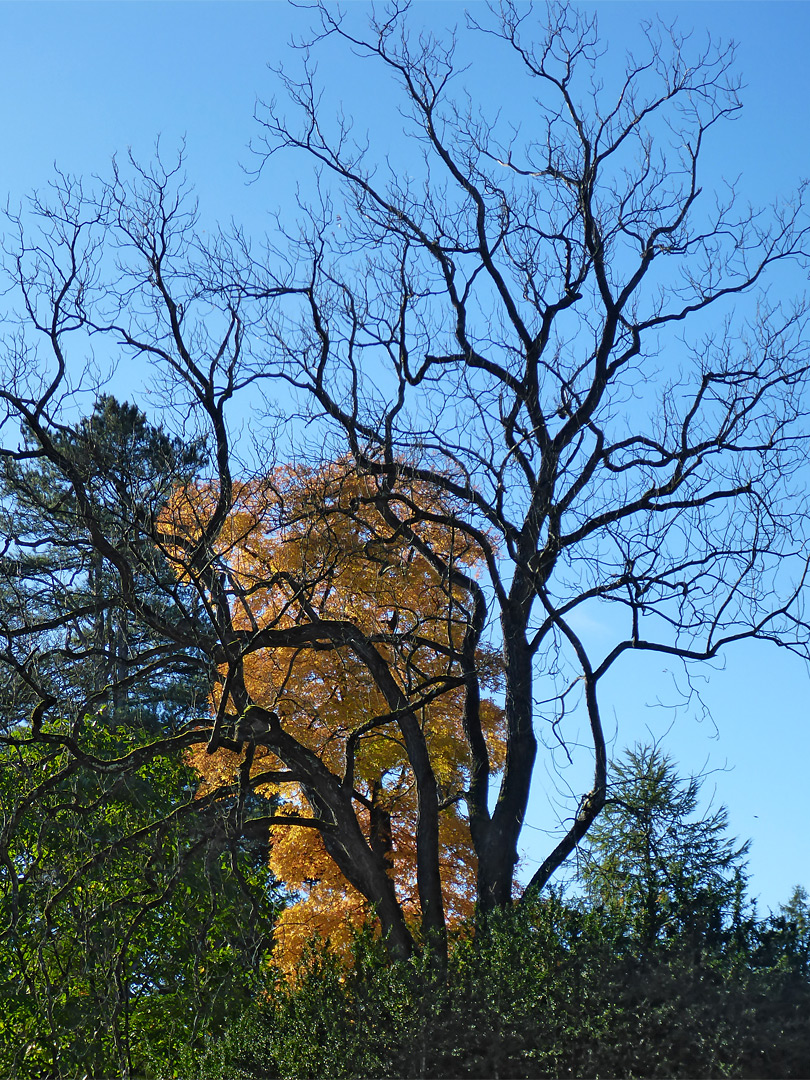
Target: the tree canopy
(344, 563)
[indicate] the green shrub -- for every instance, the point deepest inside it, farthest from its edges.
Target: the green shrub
(539, 993)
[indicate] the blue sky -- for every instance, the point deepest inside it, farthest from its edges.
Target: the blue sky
(81, 81)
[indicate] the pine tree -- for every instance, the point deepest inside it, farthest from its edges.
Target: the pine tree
(662, 869)
(96, 654)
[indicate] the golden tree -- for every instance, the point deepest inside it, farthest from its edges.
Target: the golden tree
(309, 545)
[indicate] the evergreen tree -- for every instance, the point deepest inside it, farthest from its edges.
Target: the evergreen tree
(783, 940)
(95, 653)
(657, 865)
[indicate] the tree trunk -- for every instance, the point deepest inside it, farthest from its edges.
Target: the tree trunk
(499, 854)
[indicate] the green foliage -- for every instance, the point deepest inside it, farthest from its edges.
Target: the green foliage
(659, 969)
(537, 993)
(131, 916)
(652, 863)
(128, 923)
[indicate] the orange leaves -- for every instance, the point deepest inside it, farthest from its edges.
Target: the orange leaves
(320, 549)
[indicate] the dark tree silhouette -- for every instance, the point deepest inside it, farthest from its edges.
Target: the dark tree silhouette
(494, 352)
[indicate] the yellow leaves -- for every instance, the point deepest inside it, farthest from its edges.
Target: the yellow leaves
(214, 771)
(305, 546)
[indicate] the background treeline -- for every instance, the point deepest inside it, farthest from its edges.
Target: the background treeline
(652, 962)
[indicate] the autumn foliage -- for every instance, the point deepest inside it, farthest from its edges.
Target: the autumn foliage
(306, 545)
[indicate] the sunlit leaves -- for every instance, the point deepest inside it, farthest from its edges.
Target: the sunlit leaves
(306, 547)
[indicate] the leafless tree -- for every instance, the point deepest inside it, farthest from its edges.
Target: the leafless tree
(495, 343)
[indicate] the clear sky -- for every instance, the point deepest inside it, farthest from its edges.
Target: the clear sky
(82, 81)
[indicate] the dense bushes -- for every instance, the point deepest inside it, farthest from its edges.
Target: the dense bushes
(552, 991)
(655, 966)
